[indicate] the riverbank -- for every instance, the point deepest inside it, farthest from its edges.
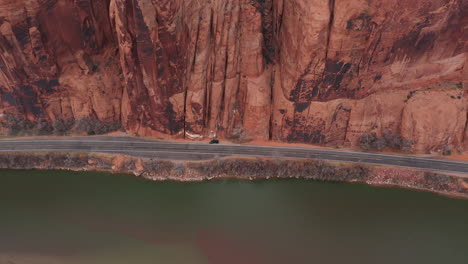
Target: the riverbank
(53, 216)
(240, 168)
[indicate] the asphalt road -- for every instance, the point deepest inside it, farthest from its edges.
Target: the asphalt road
(197, 151)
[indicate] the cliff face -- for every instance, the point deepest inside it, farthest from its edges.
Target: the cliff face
(315, 71)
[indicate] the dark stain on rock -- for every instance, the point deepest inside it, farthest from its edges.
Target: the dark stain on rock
(426, 42)
(148, 50)
(90, 63)
(88, 34)
(9, 98)
(161, 69)
(360, 23)
(335, 71)
(315, 91)
(27, 90)
(3, 66)
(142, 38)
(338, 111)
(21, 31)
(308, 90)
(197, 108)
(169, 59)
(333, 66)
(301, 91)
(303, 94)
(48, 4)
(174, 124)
(305, 129)
(266, 9)
(309, 135)
(413, 44)
(47, 86)
(300, 107)
(195, 127)
(29, 100)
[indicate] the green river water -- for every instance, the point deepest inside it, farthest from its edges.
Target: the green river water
(66, 217)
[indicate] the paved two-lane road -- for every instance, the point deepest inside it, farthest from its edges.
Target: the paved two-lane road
(193, 151)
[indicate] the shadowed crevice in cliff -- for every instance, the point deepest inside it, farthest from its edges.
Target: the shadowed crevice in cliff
(21, 31)
(309, 88)
(465, 135)
(317, 92)
(30, 102)
(333, 76)
(265, 8)
(156, 77)
(331, 6)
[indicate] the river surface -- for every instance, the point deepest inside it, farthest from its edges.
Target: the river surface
(85, 218)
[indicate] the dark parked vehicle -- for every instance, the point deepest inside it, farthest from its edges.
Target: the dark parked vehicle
(214, 141)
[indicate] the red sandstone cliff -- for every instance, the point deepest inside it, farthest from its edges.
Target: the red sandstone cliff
(316, 71)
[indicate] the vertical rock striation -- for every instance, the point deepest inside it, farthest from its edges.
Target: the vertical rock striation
(56, 60)
(314, 71)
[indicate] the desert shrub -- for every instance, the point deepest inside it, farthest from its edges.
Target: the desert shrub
(43, 128)
(86, 125)
(259, 168)
(61, 127)
(24, 161)
(447, 151)
(325, 172)
(406, 145)
(129, 165)
(17, 125)
(51, 160)
(356, 172)
(158, 166)
(367, 141)
(441, 182)
(379, 144)
(4, 161)
(388, 140)
(179, 169)
(67, 160)
(229, 167)
(92, 126)
(393, 140)
(21, 160)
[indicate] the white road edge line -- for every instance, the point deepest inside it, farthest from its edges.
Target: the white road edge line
(241, 146)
